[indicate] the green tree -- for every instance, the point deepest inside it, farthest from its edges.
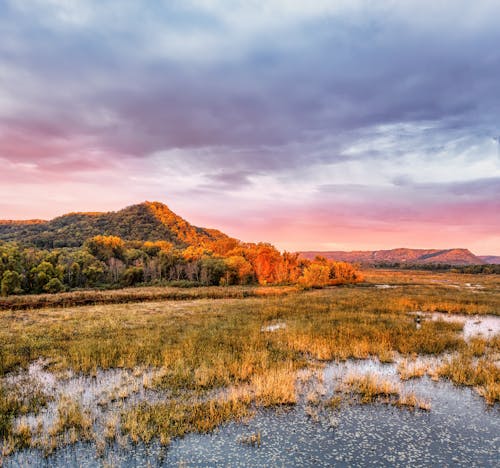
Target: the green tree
(133, 275)
(11, 283)
(54, 286)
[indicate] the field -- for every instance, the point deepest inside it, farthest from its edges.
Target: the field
(169, 367)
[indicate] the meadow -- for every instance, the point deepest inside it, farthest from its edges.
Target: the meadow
(220, 353)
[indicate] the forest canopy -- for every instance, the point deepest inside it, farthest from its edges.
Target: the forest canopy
(109, 261)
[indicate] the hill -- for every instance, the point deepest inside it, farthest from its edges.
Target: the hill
(490, 259)
(148, 221)
(408, 256)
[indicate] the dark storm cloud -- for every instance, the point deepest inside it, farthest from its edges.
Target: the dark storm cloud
(140, 81)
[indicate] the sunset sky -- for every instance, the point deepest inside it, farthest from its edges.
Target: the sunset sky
(321, 125)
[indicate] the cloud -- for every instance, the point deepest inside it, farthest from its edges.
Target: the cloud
(375, 108)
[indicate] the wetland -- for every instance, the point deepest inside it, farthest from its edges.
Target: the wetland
(334, 376)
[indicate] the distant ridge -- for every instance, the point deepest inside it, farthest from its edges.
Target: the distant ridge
(491, 259)
(148, 221)
(402, 255)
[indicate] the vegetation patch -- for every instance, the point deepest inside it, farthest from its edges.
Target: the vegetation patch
(483, 373)
(370, 388)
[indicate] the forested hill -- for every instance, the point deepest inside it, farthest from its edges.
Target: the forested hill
(148, 221)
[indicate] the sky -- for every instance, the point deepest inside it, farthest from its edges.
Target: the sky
(325, 125)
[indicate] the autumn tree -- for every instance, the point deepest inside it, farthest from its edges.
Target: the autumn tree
(238, 270)
(343, 272)
(315, 275)
(266, 263)
(106, 247)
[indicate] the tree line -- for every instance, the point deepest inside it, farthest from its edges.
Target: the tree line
(109, 261)
(484, 269)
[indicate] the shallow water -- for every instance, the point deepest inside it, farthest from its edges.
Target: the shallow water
(459, 430)
(107, 392)
(485, 326)
(273, 327)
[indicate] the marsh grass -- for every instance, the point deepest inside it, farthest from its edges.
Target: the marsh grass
(213, 362)
(137, 294)
(176, 419)
(370, 388)
(411, 369)
(476, 365)
(411, 401)
(72, 420)
(18, 398)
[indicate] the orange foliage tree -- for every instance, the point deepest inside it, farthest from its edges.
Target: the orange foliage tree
(106, 247)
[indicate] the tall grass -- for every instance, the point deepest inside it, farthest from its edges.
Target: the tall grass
(210, 343)
(474, 368)
(203, 347)
(138, 294)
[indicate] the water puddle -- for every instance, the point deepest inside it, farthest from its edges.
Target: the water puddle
(273, 327)
(485, 326)
(459, 428)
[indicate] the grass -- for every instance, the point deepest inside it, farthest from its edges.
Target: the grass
(276, 387)
(371, 388)
(137, 294)
(475, 366)
(447, 292)
(174, 419)
(212, 362)
(16, 399)
(72, 419)
(408, 369)
(210, 343)
(254, 440)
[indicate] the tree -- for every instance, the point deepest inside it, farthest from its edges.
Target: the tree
(106, 247)
(133, 275)
(212, 270)
(315, 275)
(343, 272)
(11, 283)
(54, 286)
(238, 271)
(266, 263)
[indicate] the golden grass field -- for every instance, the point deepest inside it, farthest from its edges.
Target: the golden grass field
(214, 360)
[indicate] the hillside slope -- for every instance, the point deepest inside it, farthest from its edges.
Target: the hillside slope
(148, 221)
(491, 259)
(409, 256)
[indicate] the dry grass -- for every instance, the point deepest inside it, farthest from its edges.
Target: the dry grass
(205, 346)
(334, 402)
(276, 387)
(16, 399)
(253, 440)
(337, 323)
(174, 419)
(370, 388)
(138, 294)
(72, 419)
(410, 400)
(481, 373)
(408, 369)
(449, 292)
